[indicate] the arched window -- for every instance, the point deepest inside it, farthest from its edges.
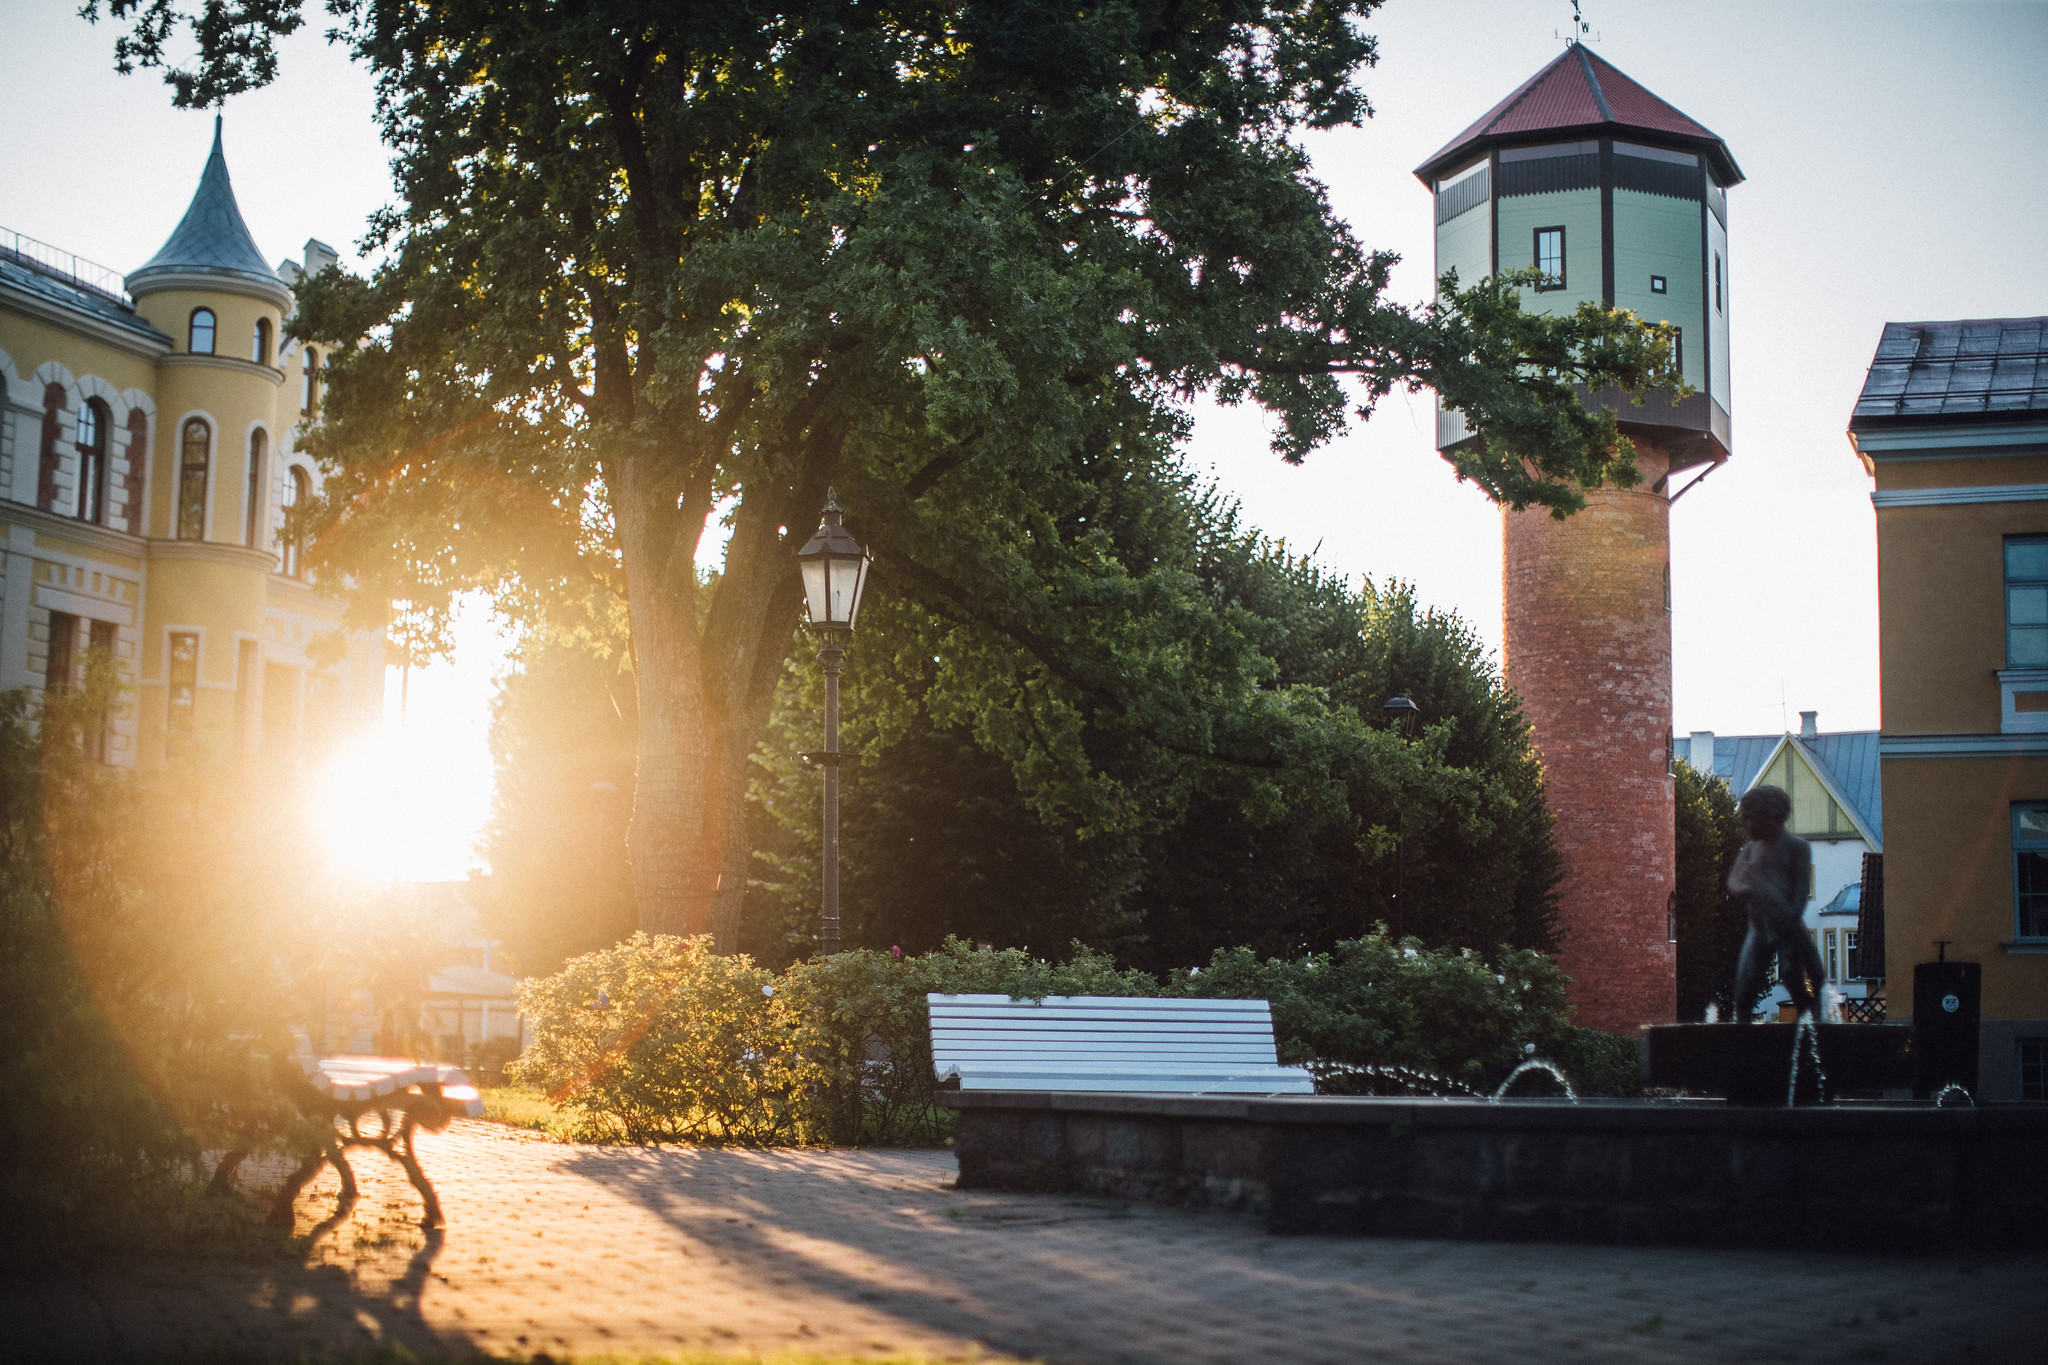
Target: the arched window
(52, 451)
(200, 340)
(312, 360)
(138, 460)
(252, 533)
(93, 420)
(298, 486)
(259, 348)
(195, 454)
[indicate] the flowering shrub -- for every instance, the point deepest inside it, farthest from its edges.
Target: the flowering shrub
(661, 1038)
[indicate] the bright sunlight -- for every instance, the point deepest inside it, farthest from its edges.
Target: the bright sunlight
(409, 801)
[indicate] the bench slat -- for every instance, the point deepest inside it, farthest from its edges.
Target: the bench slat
(1110, 1043)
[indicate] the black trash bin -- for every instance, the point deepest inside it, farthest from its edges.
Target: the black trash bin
(1946, 996)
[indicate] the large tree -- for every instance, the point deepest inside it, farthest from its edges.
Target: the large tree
(657, 269)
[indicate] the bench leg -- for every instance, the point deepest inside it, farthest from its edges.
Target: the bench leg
(329, 1152)
(402, 1149)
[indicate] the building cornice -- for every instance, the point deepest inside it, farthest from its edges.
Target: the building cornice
(1958, 439)
(146, 282)
(133, 548)
(1958, 497)
(150, 345)
(211, 552)
(1963, 746)
(223, 362)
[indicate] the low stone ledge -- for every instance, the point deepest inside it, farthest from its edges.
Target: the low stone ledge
(1885, 1176)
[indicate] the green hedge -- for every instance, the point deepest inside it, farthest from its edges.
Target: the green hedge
(661, 1039)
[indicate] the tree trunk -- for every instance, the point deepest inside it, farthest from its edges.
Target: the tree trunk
(705, 692)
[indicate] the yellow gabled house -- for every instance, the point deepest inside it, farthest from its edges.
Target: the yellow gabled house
(148, 454)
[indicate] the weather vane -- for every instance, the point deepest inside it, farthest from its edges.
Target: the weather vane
(1577, 29)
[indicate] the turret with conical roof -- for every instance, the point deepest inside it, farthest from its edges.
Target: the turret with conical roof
(211, 247)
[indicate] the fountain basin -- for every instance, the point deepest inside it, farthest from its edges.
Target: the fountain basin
(1853, 1176)
(1752, 1063)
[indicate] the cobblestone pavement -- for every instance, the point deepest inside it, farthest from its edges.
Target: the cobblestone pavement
(565, 1249)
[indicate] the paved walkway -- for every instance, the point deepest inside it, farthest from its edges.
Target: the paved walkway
(562, 1249)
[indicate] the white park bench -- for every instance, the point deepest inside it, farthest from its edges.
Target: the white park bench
(405, 1095)
(1110, 1042)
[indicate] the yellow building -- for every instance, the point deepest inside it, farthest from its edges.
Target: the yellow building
(1953, 426)
(148, 453)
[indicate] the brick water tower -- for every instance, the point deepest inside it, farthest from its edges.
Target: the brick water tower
(1616, 196)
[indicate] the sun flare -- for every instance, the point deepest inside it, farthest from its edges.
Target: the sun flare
(408, 802)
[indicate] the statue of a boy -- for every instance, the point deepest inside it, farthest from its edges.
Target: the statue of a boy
(1772, 874)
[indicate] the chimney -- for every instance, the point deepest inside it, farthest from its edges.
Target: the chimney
(1701, 754)
(1809, 725)
(319, 256)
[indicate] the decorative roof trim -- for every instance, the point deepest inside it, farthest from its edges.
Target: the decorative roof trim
(212, 282)
(1963, 746)
(1593, 82)
(1956, 497)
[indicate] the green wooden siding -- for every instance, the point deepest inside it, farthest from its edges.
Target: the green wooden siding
(1465, 244)
(1717, 322)
(1658, 235)
(1578, 212)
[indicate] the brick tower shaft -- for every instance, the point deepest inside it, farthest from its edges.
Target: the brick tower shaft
(1588, 647)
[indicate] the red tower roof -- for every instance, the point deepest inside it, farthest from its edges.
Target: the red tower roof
(1580, 93)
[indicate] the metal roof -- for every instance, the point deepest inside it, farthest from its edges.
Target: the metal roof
(211, 238)
(1981, 369)
(1847, 759)
(1579, 92)
(32, 278)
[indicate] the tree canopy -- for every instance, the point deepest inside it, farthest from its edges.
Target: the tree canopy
(658, 271)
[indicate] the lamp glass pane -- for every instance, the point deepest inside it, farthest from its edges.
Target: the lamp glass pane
(814, 590)
(860, 589)
(845, 575)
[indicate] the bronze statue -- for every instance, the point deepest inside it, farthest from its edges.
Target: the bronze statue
(1772, 874)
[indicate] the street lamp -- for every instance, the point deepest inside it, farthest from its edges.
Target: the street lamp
(1403, 714)
(835, 570)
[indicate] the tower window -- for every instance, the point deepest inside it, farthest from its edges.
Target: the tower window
(312, 364)
(258, 444)
(183, 692)
(1657, 285)
(57, 670)
(1678, 349)
(93, 420)
(195, 457)
(1717, 281)
(298, 486)
(199, 340)
(2026, 601)
(259, 346)
(1550, 257)
(138, 457)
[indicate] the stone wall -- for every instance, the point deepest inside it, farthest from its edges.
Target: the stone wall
(1838, 1177)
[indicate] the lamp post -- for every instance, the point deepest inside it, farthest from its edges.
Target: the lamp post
(835, 569)
(1403, 714)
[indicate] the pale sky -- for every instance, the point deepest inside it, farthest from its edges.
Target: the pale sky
(1897, 164)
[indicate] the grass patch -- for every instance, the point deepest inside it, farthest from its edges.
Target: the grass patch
(521, 1106)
